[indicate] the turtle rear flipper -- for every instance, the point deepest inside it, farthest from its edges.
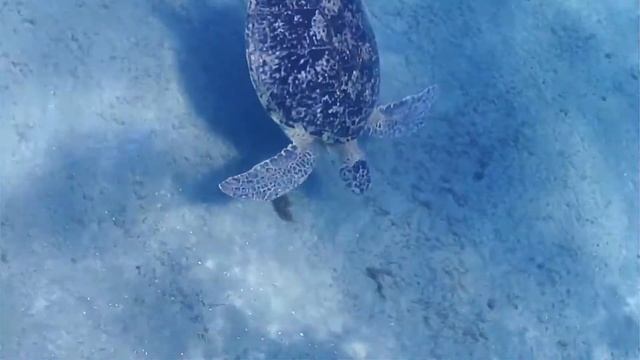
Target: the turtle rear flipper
(403, 117)
(272, 177)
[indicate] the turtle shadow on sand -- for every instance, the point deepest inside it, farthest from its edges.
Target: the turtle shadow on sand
(211, 58)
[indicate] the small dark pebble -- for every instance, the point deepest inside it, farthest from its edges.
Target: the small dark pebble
(491, 304)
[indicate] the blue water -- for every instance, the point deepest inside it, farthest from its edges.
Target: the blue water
(506, 229)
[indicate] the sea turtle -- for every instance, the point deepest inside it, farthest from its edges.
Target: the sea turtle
(315, 67)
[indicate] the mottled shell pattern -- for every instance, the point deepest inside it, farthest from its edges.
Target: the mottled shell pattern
(314, 64)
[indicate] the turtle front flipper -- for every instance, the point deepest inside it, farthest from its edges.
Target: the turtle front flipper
(403, 117)
(273, 177)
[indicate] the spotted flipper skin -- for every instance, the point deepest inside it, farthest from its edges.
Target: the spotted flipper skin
(404, 117)
(273, 177)
(356, 176)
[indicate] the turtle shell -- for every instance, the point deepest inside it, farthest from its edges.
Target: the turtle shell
(314, 64)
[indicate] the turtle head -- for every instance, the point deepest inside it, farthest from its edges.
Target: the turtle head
(356, 176)
(354, 170)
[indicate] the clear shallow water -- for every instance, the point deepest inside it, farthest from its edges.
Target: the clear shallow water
(506, 229)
